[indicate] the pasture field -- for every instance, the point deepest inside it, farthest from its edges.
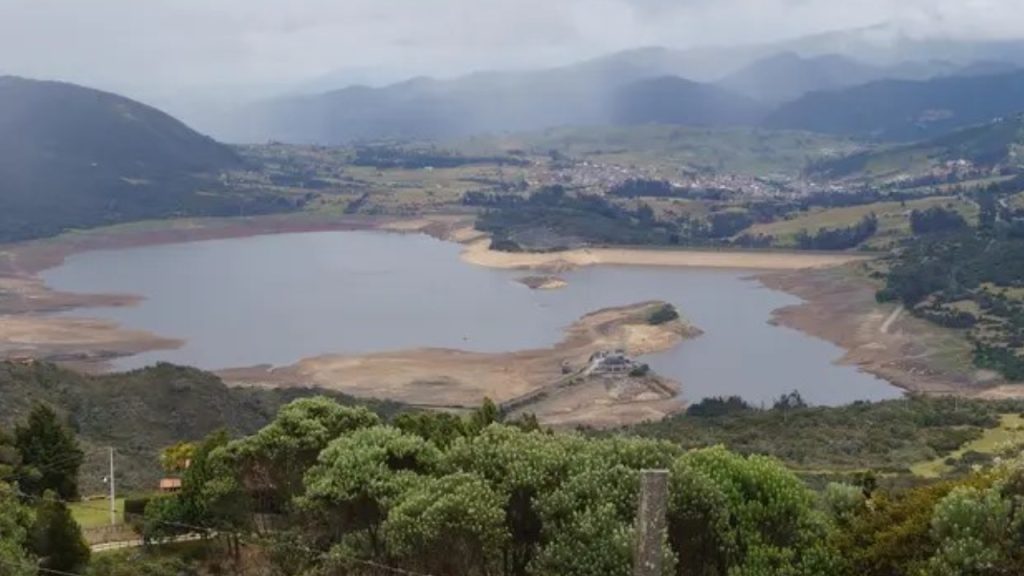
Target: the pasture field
(893, 219)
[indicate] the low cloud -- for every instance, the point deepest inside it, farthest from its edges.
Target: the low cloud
(183, 46)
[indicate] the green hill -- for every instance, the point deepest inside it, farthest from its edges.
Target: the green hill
(989, 147)
(140, 412)
(76, 157)
(901, 110)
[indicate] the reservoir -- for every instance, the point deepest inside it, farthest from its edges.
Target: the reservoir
(276, 299)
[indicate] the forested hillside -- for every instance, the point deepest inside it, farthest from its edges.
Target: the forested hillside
(330, 489)
(904, 110)
(140, 412)
(74, 157)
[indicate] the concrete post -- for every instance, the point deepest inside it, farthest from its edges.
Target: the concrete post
(650, 522)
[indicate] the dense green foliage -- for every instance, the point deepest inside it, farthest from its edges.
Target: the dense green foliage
(889, 435)
(49, 455)
(446, 495)
(138, 412)
(663, 314)
(493, 499)
(15, 520)
(55, 538)
(936, 220)
(839, 238)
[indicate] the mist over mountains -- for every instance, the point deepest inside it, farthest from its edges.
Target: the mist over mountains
(807, 83)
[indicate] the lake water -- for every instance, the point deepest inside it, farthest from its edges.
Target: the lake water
(279, 298)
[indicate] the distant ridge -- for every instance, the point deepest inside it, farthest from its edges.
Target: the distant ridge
(673, 100)
(786, 76)
(904, 110)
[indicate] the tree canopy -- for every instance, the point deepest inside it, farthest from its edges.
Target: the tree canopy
(50, 455)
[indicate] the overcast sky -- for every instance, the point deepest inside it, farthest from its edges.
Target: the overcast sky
(154, 46)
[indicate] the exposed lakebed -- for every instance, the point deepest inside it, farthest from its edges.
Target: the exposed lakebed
(276, 299)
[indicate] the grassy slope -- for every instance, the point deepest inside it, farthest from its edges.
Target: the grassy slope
(670, 148)
(891, 435)
(1010, 429)
(893, 219)
(95, 513)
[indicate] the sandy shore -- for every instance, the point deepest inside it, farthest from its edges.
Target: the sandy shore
(918, 356)
(478, 252)
(442, 378)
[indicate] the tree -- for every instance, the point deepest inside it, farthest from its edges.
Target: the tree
(50, 455)
(10, 458)
(14, 523)
(731, 514)
(356, 482)
(974, 531)
(441, 428)
(270, 464)
(453, 525)
(177, 458)
(56, 538)
(487, 414)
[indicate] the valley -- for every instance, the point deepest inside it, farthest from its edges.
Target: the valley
(506, 288)
(475, 359)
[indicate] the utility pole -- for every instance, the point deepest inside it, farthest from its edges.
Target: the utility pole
(113, 505)
(650, 522)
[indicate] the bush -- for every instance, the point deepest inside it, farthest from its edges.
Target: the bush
(663, 315)
(135, 507)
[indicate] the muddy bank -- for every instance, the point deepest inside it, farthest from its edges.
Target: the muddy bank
(915, 355)
(443, 378)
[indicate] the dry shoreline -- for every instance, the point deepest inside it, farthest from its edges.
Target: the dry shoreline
(835, 308)
(545, 381)
(478, 252)
(24, 295)
(839, 306)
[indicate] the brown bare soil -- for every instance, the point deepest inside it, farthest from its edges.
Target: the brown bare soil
(442, 378)
(479, 252)
(911, 353)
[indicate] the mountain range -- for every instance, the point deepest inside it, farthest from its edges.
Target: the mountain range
(903, 109)
(651, 85)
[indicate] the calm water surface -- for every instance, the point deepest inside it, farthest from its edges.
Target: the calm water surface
(276, 299)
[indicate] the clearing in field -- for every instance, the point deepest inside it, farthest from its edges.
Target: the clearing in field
(96, 513)
(1010, 430)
